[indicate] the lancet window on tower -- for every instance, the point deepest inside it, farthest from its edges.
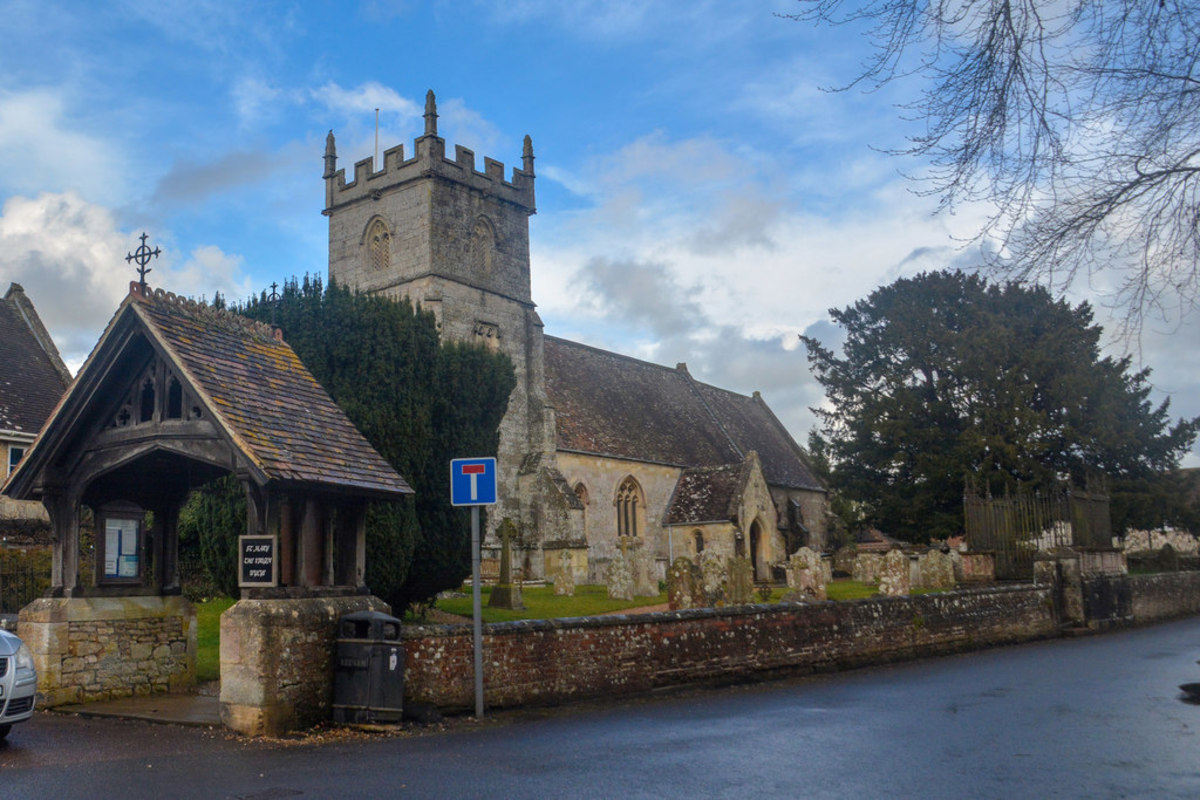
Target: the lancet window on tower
(483, 245)
(379, 245)
(630, 508)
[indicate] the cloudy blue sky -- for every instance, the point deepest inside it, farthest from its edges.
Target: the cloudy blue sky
(700, 198)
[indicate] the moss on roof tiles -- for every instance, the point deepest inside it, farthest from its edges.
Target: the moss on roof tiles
(612, 405)
(268, 398)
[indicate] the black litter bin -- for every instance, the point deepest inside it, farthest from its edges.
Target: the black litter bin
(368, 674)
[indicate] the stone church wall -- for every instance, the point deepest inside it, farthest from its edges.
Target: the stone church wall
(602, 477)
(813, 508)
(758, 506)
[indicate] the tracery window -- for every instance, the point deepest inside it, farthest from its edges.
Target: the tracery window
(631, 511)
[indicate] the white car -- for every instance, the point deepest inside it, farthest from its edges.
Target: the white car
(18, 682)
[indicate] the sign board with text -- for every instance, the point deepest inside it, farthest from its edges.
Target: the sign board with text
(258, 562)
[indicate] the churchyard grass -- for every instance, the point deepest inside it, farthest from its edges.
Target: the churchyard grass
(850, 590)
(542, 603)
(208, 637)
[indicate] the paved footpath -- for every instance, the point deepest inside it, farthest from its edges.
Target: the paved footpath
(1094, 717)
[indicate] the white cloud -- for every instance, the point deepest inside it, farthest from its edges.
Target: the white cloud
(42, 150)
(366, 97)
(69, 255)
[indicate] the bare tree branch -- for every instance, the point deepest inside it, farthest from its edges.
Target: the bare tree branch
(1077, 121)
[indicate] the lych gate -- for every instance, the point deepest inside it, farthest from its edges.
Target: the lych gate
(174, 395)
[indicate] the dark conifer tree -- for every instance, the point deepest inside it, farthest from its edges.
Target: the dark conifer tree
(944, 377)
(418, 402)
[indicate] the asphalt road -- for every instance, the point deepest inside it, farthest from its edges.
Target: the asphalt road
(1093, 717)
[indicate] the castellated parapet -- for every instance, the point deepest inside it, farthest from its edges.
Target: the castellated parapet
(429, 161)
(419, 222)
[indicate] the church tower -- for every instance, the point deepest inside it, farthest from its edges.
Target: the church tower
(456, 241)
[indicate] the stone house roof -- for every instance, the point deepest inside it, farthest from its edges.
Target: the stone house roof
(267, 404)
(615, 406)
(32, 375)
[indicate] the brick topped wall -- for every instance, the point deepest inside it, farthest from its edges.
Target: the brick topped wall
(550, 661)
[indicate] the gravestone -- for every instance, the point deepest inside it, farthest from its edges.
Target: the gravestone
(937, 570)
(506, 593)
(843, 561)
(805, 575)
(684, 585)
(1168, 559)
(740, 586)
(619, 577)
(713, 580)
(867, 567)
(564, 581)
(894, 578)
(645, 583)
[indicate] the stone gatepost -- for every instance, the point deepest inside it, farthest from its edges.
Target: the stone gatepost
(277, 661)
(1060, 570)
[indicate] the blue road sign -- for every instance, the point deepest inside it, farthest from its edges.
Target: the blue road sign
(473, 481)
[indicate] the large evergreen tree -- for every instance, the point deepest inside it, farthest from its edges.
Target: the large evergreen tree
(944, 377)
(417, 401)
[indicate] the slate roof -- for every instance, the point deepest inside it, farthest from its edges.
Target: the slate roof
(30, 382)
(612, 405)
(705, 494)
(274, 409)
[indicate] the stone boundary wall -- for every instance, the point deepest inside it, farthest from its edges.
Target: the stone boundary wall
(100, 648)
(551, 661)
(1165, 595)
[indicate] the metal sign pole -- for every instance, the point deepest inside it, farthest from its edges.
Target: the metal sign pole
(473, 483)
(477, 611)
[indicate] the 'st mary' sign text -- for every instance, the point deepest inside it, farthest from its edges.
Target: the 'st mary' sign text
(257, 562)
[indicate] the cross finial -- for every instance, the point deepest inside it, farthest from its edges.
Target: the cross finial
(273, 299)
(142, 257)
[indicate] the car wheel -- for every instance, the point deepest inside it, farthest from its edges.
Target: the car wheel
(4, 729)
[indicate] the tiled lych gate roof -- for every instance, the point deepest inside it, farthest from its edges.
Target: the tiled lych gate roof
(263, 399)
(30, 381)
(270, 403)
(612, 405)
